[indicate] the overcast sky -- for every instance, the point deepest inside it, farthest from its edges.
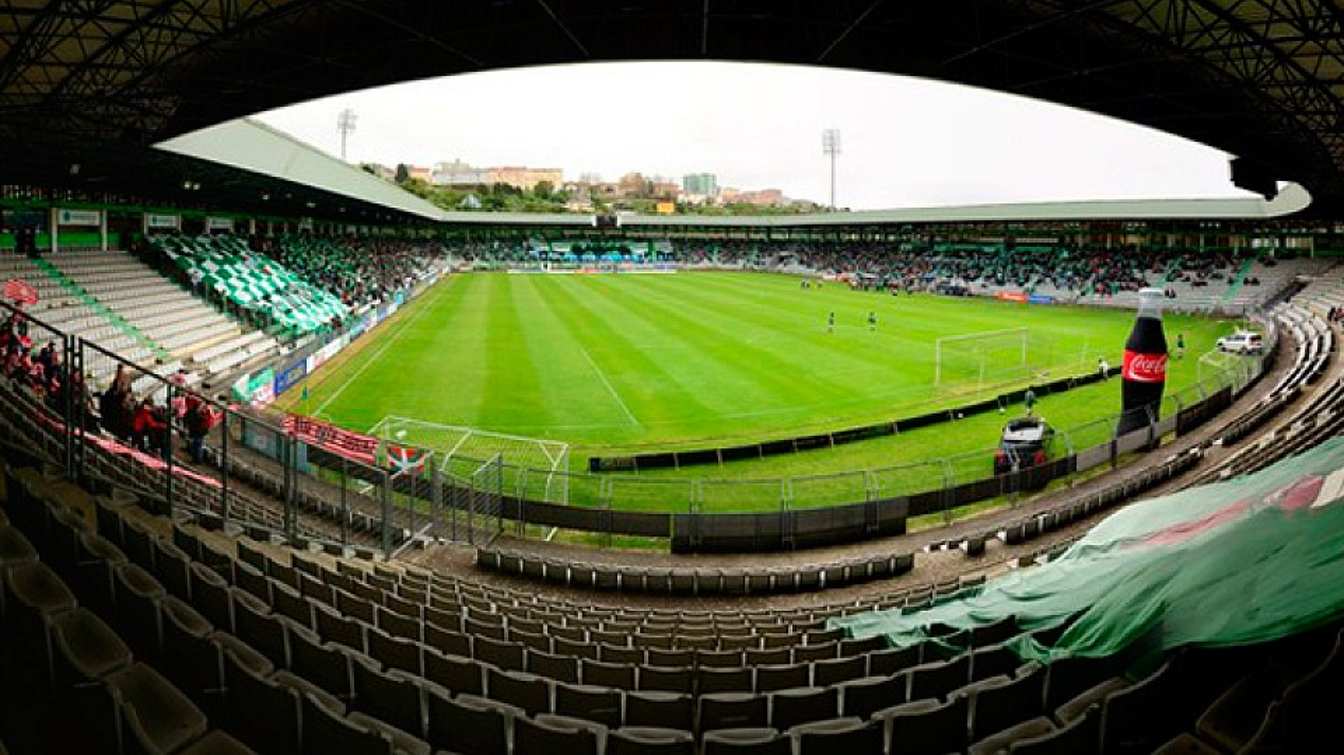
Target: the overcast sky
(905, 141)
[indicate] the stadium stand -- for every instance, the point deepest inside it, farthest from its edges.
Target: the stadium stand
(293, 653)
(266, 290)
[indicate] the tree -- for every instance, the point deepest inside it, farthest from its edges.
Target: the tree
(543, 190)
(403, 173)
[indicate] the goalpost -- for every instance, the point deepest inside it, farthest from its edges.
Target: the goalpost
(534, 468)
(972, 361)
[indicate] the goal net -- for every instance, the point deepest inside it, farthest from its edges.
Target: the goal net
(533, 468)
(973, 362)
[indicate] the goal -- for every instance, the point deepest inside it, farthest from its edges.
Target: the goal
(534, 468)
(975, 361)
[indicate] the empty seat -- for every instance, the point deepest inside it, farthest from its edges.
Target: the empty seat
(327, 730)
(724, 680)
(791, 707)
(556, 667)
(607, 674)
(261, 712)
(1002, 702)
(939, 678)
(553, 734)
(85, 649)
(665, 679)
(645, 740)
(862, 698)
(1078, 737)
(1031, 729)
(732, 710)
(391, 696)
(453, 672)
(925, 727)
(468, 724)
(152, 712)
(321, 663)
(1137, 717)
(401, 741)
(834, 671)
(659, 709)
(589, 703)
(771, 678)
(528, 692)
(757, 741)
(848, 735)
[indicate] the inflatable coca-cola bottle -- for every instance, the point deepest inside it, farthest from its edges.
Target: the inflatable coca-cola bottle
(1145, 367)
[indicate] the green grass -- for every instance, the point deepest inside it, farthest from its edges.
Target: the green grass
(619, 364)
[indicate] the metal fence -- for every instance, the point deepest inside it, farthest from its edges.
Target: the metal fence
(255, 476)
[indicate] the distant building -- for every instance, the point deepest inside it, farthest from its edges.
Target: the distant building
(590, 178)
(419, 172)
(702, 184)
(524, 178)
(633, 184)
(761, 197)
(662, 188)
(458, 173)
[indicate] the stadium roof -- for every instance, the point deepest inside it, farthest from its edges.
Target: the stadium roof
(97, 83)
(253, 146)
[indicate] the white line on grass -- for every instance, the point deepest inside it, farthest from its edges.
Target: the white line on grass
(391, 340)
(603, 376)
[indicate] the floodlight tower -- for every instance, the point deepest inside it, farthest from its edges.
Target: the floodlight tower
(830, 146)
(345, 123)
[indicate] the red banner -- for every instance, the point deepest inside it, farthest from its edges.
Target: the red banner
(1017, 296)
(328, 437)
(21, 291)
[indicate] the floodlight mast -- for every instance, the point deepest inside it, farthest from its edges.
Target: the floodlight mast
(830, 146)
(345, 123)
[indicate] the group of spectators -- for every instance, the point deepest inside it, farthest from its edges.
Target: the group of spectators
(359, 272)
(136, 421)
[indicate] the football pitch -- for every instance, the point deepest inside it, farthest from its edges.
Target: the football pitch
(615, 364)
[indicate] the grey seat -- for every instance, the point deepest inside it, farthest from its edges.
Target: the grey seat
(724, 680)
(848, 735)
(394, 652)
(599, 704)
(528, 692)
(1081, 736)
(732, 710)
(1136, 718)
(402, 742)
(993, 660)
(254, 624)
(939, 678)
(556, 667)
(391, 696)
(327, 730)
(217, 743)
(648, 740)
(864, 697)
(653, 678)
(1030, 729)
(210, 596)
(505, 655)
(925, 727)
(453, 672)
(554, 734)
(601, 674)
(828, 672)
(771, 678)
(85, 649)
(34, 597)
(172, 567)
(791, 707)
(261, 712)
(186, 641)
(468, 724)
(893, 660)
(757, 741)
(667, 710)
(151, 712)
(96, 558)
(321, 663)
(1000, 704)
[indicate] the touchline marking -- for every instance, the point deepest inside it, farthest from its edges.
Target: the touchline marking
(603, 376)
(393, 339)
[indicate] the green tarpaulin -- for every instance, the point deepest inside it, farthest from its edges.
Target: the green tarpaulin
(1243, 561)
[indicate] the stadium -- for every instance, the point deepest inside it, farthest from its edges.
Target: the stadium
(297, 461)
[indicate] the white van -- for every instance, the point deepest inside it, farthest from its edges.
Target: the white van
(1242, 342)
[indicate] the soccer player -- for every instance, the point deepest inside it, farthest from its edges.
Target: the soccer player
(872, 321)
(1180, 345)
(830, 323)
(1029, 398)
